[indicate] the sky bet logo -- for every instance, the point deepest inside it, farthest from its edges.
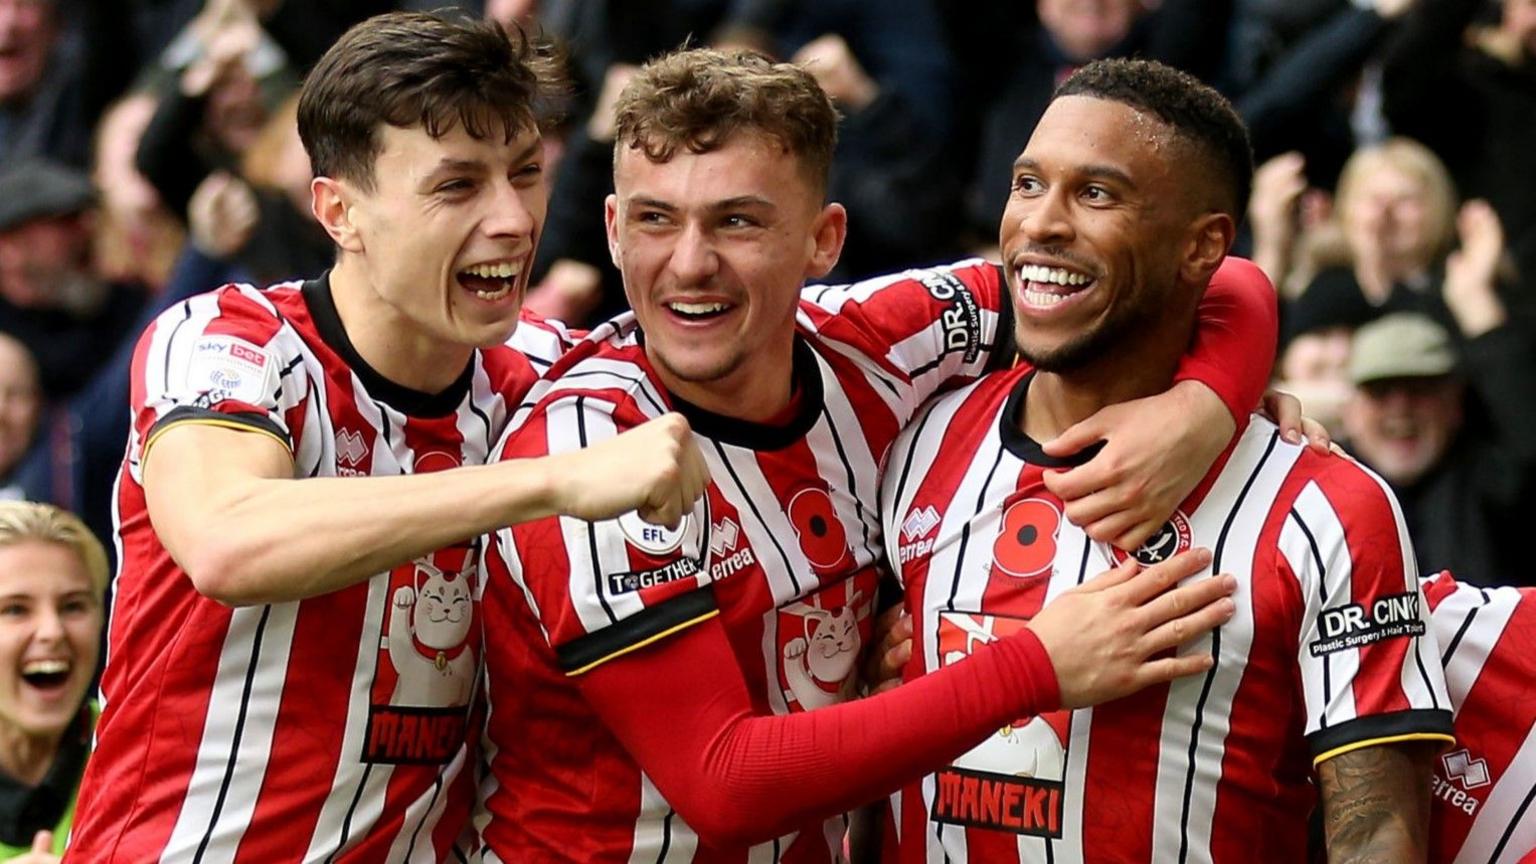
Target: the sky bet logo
(1355, 626)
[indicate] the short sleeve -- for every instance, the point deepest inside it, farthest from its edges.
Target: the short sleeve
(1369, 663)
(599, 589)
(224, 358)
(1235, 337)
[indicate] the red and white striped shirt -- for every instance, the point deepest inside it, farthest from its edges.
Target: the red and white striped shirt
(1484, 786)
(784, 548)
(1323, 655)
(328, 729)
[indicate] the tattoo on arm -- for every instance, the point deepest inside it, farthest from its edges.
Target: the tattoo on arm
(1376, 804)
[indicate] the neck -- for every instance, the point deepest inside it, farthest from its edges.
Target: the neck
(757, 391)
(25, 756)
(389, 342)
(1136, 367)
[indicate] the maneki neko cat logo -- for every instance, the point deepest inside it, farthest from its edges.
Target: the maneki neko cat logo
(1012, 781)
(1026, 542)
(427, 653)
(820, 640)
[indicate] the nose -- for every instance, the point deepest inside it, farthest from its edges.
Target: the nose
(49, 626)
(510, 215)
(693, 257)
(1045, 220)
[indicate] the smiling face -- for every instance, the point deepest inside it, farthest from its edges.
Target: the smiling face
(714, 248)
(1095, 231)
(445, 238)
(1402, 427)
(50, 632)
(26, 36)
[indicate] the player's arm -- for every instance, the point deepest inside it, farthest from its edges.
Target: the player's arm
(225, 503)
(1376, 804)
(681, 705)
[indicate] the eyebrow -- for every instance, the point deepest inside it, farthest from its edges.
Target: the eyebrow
(450, 165)
(735, 203)
(1104, 172)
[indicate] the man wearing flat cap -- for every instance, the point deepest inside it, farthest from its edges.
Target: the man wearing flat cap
(1450, 427)
(50, 299)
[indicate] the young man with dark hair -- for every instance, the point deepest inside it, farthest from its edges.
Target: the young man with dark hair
(648, 688)
(295, 636)
(1124, 203)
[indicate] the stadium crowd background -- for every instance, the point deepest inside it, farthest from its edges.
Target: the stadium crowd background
(148, 152)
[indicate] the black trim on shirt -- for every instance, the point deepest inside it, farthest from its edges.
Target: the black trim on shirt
(1010, 429)
(649, 623)
(192, 413)
(26, 810)
(763, 436)
(414, 403)
(1413, 721)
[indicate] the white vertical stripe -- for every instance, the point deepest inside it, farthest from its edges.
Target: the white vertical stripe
(213, 774)
(1343, 666)
(1465, 664)
(1498, 811)
(768, 530)
(653, 830)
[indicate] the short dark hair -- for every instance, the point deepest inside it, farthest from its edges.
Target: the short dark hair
(699, 97)
(1194, 111)
(411, 68)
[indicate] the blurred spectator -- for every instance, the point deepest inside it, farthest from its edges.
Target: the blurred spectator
(53, 574)
(1065, 34)
(50, 299)
(1470, 93)
(137, 238)
(51, 87)
(260, 222)
(1314, 359)
(228, 74)
(21, 403)
(1466, 487)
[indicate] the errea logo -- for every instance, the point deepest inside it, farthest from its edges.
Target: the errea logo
(1460, 769)
(914, 532)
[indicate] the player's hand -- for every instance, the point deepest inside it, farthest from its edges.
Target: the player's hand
(1109, 637)
(892, 649)
(654, 469)
(1285, 410)
(1156, 451)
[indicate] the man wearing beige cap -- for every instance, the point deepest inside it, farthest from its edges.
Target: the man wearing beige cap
(1449, 426)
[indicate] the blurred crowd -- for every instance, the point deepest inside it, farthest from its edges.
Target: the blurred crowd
(148, 152)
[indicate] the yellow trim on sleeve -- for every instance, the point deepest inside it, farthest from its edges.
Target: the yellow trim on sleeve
(208, 421)
(1390, 739)
(642, 643)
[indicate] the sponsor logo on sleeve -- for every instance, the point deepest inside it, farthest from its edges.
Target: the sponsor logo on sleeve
(961, 318)
(230, 368)
(1354, 625)
(659, 554)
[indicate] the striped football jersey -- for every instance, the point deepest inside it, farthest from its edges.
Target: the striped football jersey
(329, 729)
(1327, 651)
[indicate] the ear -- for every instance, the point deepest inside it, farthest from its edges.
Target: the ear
(331, 202)
(1210, 238)
(828, 233)
(611, 223)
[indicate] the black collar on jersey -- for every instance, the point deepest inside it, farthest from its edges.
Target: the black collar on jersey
(26, 810)
(322, 307)
(1027, 448)
(762, 436)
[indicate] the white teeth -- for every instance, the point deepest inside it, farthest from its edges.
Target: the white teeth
(1042, 298)
(1054, 275)
(44, 667)
(504, 290)
(504, 270)
(696, 308)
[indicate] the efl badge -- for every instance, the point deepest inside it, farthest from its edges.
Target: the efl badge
(653, 539)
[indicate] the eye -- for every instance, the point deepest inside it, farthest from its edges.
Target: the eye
(453, 187)
(738, 220)
(1027, 184)
(13, 610)
(1095, 192)
(529, 173)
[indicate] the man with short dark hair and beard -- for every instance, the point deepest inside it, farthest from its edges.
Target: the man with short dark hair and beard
(1123, 204)
(687, 694)
(295, 634)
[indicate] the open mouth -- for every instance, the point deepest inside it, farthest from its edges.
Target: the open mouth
(47, 675)
(492, 281)
(698, 311)
(1043, 287)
